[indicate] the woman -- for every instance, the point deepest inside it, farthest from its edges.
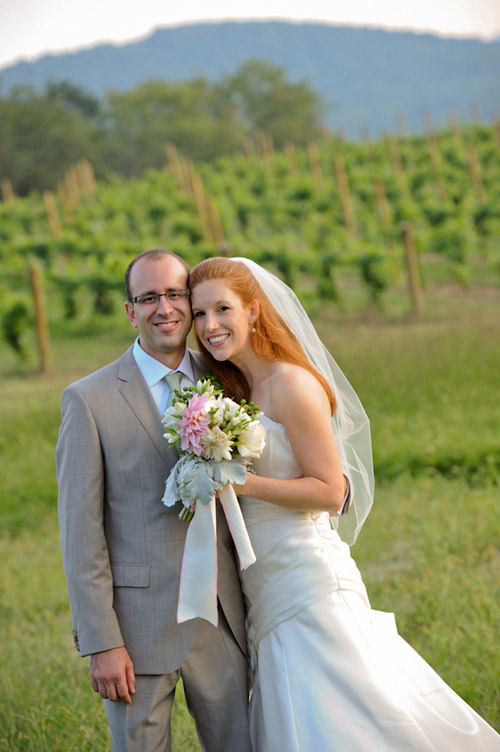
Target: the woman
(330, 673)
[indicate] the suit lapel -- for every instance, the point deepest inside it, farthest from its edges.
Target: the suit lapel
(136, 394)
(197, 364)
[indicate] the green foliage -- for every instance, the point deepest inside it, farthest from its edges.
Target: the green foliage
(43, 135)
(138, 124)
(266, 101)
(16, 322)
(272, 210)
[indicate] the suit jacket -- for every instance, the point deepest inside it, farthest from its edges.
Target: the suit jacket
(122, 548)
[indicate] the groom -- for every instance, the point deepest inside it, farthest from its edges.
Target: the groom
(122, 548)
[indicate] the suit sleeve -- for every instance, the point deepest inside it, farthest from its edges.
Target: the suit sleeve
(81, 481)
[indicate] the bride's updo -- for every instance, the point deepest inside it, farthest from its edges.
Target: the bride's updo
(271, 338)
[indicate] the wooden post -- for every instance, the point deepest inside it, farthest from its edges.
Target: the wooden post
(266, 147)
(174, 164)
(382, 203)
(397, 162)
(202, 208)
(496, 126)
(433, 147)
(65, 201)
(413, 269)
(345, 196)
(8, 194)
(85, 178)
(72, 190)
(41, 321)
(291, 158)
(215, 221)
(475, 112)
(365, 138)
(341, 133)
(475, 173)
(52, 215)
(401, 124)
(314, 164)
(248, 146)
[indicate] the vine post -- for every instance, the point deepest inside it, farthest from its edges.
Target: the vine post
(434, 153)
(291, 158)
(52, 215)
(315, 166)
(345, 196)
(41, 320)
(475, 173)
(402, 125)
(496, 126)
(8, 195)
(412, 264)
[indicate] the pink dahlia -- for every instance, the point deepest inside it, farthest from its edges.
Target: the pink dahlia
(194, 424)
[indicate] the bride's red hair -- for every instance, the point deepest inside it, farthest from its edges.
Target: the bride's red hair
(272, 340)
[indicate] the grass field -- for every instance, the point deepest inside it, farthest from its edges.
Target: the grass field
(430, 550)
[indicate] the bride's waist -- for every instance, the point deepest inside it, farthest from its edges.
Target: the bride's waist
(256, 511)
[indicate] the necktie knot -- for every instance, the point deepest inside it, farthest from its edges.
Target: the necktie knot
(173, 381)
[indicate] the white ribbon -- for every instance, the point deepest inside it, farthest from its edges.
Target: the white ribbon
(236, 525)
(198, 586)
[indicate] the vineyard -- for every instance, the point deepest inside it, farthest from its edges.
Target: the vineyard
(335, 217)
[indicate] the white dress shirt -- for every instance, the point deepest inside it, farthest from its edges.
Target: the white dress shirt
(154, 371)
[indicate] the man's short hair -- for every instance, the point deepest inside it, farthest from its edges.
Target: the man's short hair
(154, 254)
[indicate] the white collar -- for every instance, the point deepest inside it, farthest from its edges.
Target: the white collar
(153, 371)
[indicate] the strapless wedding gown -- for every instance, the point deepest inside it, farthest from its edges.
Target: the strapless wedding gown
(330, 673)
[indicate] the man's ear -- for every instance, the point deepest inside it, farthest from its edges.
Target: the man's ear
(129, 308)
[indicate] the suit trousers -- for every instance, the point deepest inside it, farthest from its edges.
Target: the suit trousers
(214, 675)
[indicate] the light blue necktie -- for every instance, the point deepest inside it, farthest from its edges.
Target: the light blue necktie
(173, 381)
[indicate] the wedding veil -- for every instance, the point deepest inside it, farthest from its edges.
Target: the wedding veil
(350, 422)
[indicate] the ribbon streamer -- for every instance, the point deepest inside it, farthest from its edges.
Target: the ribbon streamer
(198, 586)
(236, 525)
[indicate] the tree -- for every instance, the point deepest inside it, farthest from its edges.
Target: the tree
(138, 124)
(265, 100)
(40, 138)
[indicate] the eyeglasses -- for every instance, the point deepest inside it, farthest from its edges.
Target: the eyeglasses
(153, 298)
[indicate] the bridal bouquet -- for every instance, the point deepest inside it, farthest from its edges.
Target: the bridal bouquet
(216, 439)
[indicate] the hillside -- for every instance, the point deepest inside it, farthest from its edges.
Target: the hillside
(363, 75)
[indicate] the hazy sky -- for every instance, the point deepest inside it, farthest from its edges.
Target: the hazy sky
(29, 28)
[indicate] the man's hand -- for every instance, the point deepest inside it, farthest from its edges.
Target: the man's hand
(112, 675)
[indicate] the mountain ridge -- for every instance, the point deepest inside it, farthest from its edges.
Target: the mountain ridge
(364, 74)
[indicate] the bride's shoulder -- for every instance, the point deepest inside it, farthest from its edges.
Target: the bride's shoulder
(292, 382)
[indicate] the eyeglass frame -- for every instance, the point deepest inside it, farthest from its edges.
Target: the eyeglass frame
(183, 294)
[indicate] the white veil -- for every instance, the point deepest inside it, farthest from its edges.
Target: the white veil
(350, 422)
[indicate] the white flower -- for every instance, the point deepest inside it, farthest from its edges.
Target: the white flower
(216, 444)
(204, 385)
(173, 415)
(231, 408)
(214, 409)
(252, 440)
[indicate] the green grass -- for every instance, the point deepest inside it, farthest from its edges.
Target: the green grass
(430, 550)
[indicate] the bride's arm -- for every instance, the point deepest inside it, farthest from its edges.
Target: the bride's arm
(299, 402)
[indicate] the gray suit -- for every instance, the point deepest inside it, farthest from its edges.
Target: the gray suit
(122, 548)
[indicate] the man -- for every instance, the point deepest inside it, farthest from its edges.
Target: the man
(122, 548)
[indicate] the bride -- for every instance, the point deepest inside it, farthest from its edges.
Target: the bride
(330, 673)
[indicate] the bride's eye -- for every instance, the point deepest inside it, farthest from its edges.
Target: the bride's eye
(197, 314)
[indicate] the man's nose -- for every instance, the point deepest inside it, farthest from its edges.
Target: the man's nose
(164, 305)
